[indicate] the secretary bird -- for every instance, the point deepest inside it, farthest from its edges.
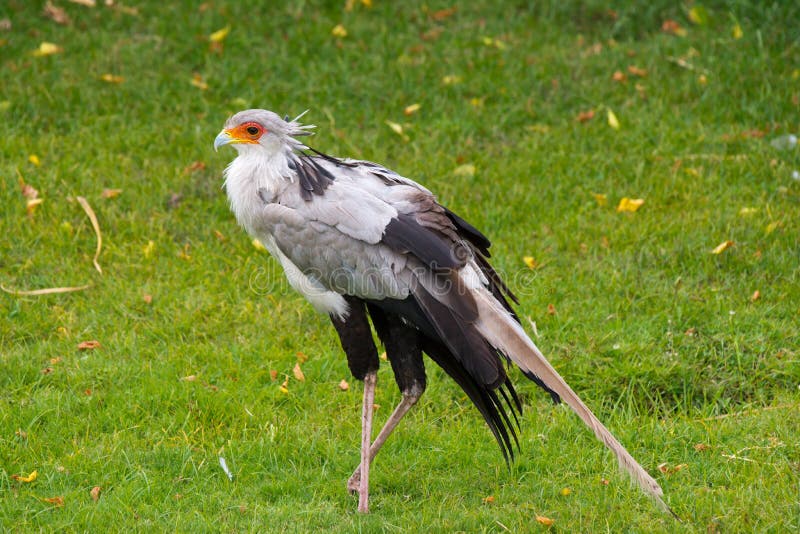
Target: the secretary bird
(358, 239)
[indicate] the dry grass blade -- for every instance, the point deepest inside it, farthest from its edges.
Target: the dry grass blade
(45, 291)
(92, 217)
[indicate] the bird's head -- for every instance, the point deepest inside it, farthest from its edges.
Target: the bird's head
(262, 131)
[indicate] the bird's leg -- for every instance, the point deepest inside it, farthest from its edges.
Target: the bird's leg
(409, 399)
(366, 436)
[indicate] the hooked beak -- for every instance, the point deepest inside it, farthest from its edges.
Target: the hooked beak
(222, 139)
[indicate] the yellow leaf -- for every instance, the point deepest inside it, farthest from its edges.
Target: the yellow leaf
(565, 491)
(33, 158)
(110, 193)
(343, 385)
(87, 3)
(702, 79)
(746, 212)
(546, 521)
(339, 31)
(629, 204)
(468, 169)
(111, 78)
(148, 249)
(771, 227)
(612, 120)
(219, 35)
(451, 79)
(298, 373)
(47, 49)
(737, 31)
(301, 357)
(601, 198)
(698, 15)
(284, 388)
(410, 110)
(722, 247)
(31, 204)
(258, 245)
(398, 129)
(198, 82)
(530, 262)
(477, 102)
(29, 478)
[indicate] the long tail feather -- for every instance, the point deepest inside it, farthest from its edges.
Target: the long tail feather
(505, 334)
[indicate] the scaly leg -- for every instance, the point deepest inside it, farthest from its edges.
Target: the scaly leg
(366, 435)
(409, 400)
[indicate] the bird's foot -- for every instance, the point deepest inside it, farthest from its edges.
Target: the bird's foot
(354, 483)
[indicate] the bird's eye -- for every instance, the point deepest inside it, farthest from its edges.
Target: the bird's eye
(252, 130)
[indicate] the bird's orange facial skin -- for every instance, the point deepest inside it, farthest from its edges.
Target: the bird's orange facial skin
(249, 133)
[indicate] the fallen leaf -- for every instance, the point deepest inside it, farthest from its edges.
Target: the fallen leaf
(488, 500)
(298, 373)
(148, 299)
(30, 478)
(771, 227)
(258, 245)
(601, 198)
(219, 35)
(530, 262)
(47, 49)
(343, 385)
(700, 447)
(110, 193)
(339, 31)
(149, 248)
(410, 110)
(612, 119)
(188, 378)
(467, 170)
(197, 81)
(284, 388)
(273, 374)
(755, 296)
(89, 345)
(690, 332)
(88, 392)
(46, 291)
(672, 27)
(58, 501)
(56, 14)
(55, 360)
(87, 3)
(619, 76)
(604, 481)
(451, 79)
(745, 212)
(477, 102)
(546, 521)
(184, 252)
(47, 370)
(219, 235)
(565, 491)
(21, 434)
(111, 78)
(722, 247)
(585, 116)
(551, 310)
(443, 14)
(629, 204)
(667, 470)
(301, 357)
(96, 226)
(194, 167)
(398, 129)
(636, 71)
(737, 32)
(702, 80)
(28, 191)
(95, 493)
(33, 158)
(31, 204)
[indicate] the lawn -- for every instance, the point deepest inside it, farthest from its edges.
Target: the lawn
(677, 322)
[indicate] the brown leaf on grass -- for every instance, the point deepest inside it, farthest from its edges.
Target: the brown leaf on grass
(58, 501)
(343, 385)
(47, 370)
(189, 378)
(89, 345)
(585, 116)
(93, 218)
(298, 373)
(546, 521)
(95, 493)
(530, 262)
(28, 191)
(410, 110)
(26, 479)
(110, 193)
(667, 470)
(619, 76)
(443, 14)
(147, 298)
(601, 198)
(701, 447)
(46, 291)
(551, 310)
(673, 28)
(55, 360)
(755, 296)
(636, 71)
(31, 204)
(722, 247)
(273, 374)
(198, 81)
(194, 167)
(488, 500)
(604, 481)
(301, 357)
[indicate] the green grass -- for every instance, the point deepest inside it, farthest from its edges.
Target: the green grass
(626, 287)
